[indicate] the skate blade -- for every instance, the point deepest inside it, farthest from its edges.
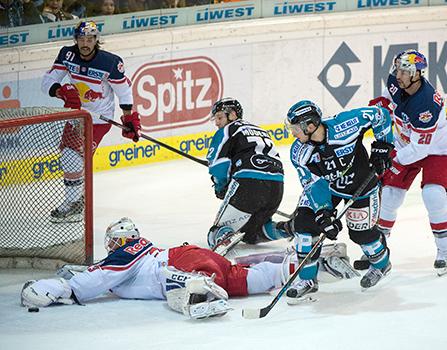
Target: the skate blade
(441, 272)
(307, 299)
(380, 283)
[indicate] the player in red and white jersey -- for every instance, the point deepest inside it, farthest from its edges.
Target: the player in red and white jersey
(93, 77)
(420, 136)
(195, 281)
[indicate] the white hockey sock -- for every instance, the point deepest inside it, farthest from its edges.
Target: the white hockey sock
(435, 200)
(392, 198)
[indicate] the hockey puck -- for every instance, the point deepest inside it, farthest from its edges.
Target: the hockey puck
(33, 309)
(361, 264)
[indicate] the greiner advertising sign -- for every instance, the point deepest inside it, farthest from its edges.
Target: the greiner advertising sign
(176, 93)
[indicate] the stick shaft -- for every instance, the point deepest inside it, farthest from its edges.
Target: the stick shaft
(146, 137)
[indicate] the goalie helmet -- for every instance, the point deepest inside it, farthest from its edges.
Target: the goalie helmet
(85, 28)
(119, 233)
(410, 61)
(303, 113)
(227, 105)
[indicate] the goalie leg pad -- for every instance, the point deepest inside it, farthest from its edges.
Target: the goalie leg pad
(194, 295)
(46, 292)
(208, 309)
(339, 268)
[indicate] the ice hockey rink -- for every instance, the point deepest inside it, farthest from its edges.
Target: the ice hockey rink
(172, 203)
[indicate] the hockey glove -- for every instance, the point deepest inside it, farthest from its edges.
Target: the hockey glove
(380, 157)
(219, 189)
(382, 102)
(220, 193)
(328, 224)
(133, 124)
(70, 95)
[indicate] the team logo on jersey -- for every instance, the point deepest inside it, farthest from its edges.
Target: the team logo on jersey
(86, 94)
(176, 93)
(260, 162)
(425, 117)
(120, 67)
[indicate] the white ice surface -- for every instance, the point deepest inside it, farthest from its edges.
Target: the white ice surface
(173, 203)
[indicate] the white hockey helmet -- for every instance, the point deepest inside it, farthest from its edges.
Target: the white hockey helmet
(410, 61)
(119, 233)
(85, 28)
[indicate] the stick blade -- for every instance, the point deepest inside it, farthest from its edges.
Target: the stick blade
(252, 314)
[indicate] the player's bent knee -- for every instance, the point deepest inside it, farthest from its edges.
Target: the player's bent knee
(365, 237)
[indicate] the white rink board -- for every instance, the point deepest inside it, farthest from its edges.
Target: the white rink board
(268, 64)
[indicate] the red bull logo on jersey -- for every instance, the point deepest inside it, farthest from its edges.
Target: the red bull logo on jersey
(177, 93)
(425, 117)
(87, 94)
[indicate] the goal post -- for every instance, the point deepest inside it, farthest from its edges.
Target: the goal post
(32, 185)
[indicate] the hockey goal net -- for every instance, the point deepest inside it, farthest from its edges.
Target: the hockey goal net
(32, 185)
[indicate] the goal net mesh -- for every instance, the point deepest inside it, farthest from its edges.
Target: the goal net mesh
(32, 185)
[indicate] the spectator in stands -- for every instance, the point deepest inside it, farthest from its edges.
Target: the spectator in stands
(144, 5)
(78, 8)
(173, 3)
(104, 8)
(53, 12)
(15, 13)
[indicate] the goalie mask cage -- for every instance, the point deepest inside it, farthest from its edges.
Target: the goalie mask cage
(32, 185)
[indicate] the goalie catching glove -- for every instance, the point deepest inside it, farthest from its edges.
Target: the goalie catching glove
(70, 95)
(46, 292)
(133, 124)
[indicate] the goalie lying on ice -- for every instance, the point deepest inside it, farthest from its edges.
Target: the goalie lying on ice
(195, 281)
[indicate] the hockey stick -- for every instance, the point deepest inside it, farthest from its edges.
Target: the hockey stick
(260, 313)
(121, 126)
(288, 216)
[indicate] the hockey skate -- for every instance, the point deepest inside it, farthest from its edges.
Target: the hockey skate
(74, 213)
(373, 276)
(300, 291)
(440, 264)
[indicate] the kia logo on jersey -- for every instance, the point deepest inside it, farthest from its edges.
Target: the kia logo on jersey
(176, 93)
(357, 214)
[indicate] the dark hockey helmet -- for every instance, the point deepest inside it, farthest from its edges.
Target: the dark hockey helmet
(84, 28)
(227, 105)
(303, 113)
(411, 61)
